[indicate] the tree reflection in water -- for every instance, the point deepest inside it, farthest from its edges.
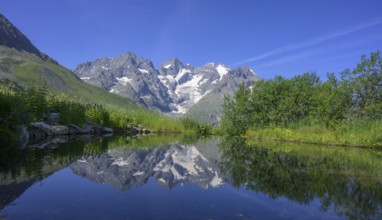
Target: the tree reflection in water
(349, 181)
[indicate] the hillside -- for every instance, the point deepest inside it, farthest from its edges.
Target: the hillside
(21, 63)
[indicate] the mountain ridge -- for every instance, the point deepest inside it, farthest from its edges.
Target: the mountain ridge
(172, 88)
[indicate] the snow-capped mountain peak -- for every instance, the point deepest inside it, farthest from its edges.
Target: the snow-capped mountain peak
(173, 88)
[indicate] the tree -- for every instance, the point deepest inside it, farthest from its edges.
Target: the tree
(365, 85)
(330, 103)
(237, 112)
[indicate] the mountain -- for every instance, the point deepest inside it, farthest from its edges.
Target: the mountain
(21, 63)
(175, 89)
(11, 37)
(168, 166)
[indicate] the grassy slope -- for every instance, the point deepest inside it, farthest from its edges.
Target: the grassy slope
(28, 70)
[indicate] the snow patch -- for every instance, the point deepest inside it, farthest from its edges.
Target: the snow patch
(139, 173)
(124, 80)
(187, 159)
(143, 70)
(85, 78)
(167, 66)
(222, 70)
(180, 109)
(120, 162)
(167, 80)
(105, 68)
(146, 97)
(191, 90)
(181, 73)
(216, 181)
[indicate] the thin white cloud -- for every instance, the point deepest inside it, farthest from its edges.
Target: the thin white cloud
(308, 43)
(327, 49)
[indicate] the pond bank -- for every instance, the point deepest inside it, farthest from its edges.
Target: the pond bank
(347, 136)
(49, 133)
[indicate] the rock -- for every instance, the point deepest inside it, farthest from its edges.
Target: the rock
(97, 129)
(47, 144)
(74, 129)
(60, 139)
(23, 133)
(139, 129)
(47, 129)
(131, 129)
(51, 130)
(107, 130)
(36, 135)
(88, 128)
(60, 130)
(107, 134)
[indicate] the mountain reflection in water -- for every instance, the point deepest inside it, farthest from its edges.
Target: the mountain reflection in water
(235, 180)
(168, 166)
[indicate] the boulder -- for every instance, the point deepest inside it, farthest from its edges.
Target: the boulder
(145, 131)
(139, 129)
(60, 139)
(36, 135)
(47, 129)
(107, 130)
(88, 128)
(97, 129)
(131, 129)
(60, 130)
(74, 129)
(23, 133)
(51, 130)
(46, 144)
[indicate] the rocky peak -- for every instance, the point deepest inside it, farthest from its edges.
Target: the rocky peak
(244, 72)
(173, 67)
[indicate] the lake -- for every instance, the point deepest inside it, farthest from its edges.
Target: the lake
(168, 177)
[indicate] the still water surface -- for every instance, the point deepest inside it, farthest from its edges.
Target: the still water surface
(178, 178)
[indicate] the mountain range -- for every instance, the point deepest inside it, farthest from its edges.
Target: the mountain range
(174, 88)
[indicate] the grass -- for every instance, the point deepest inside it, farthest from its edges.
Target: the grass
(357, 133)
(32, 104)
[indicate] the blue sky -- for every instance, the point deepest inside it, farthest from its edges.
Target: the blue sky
(279, 37)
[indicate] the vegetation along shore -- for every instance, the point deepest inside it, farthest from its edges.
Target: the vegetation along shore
(345, 110)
